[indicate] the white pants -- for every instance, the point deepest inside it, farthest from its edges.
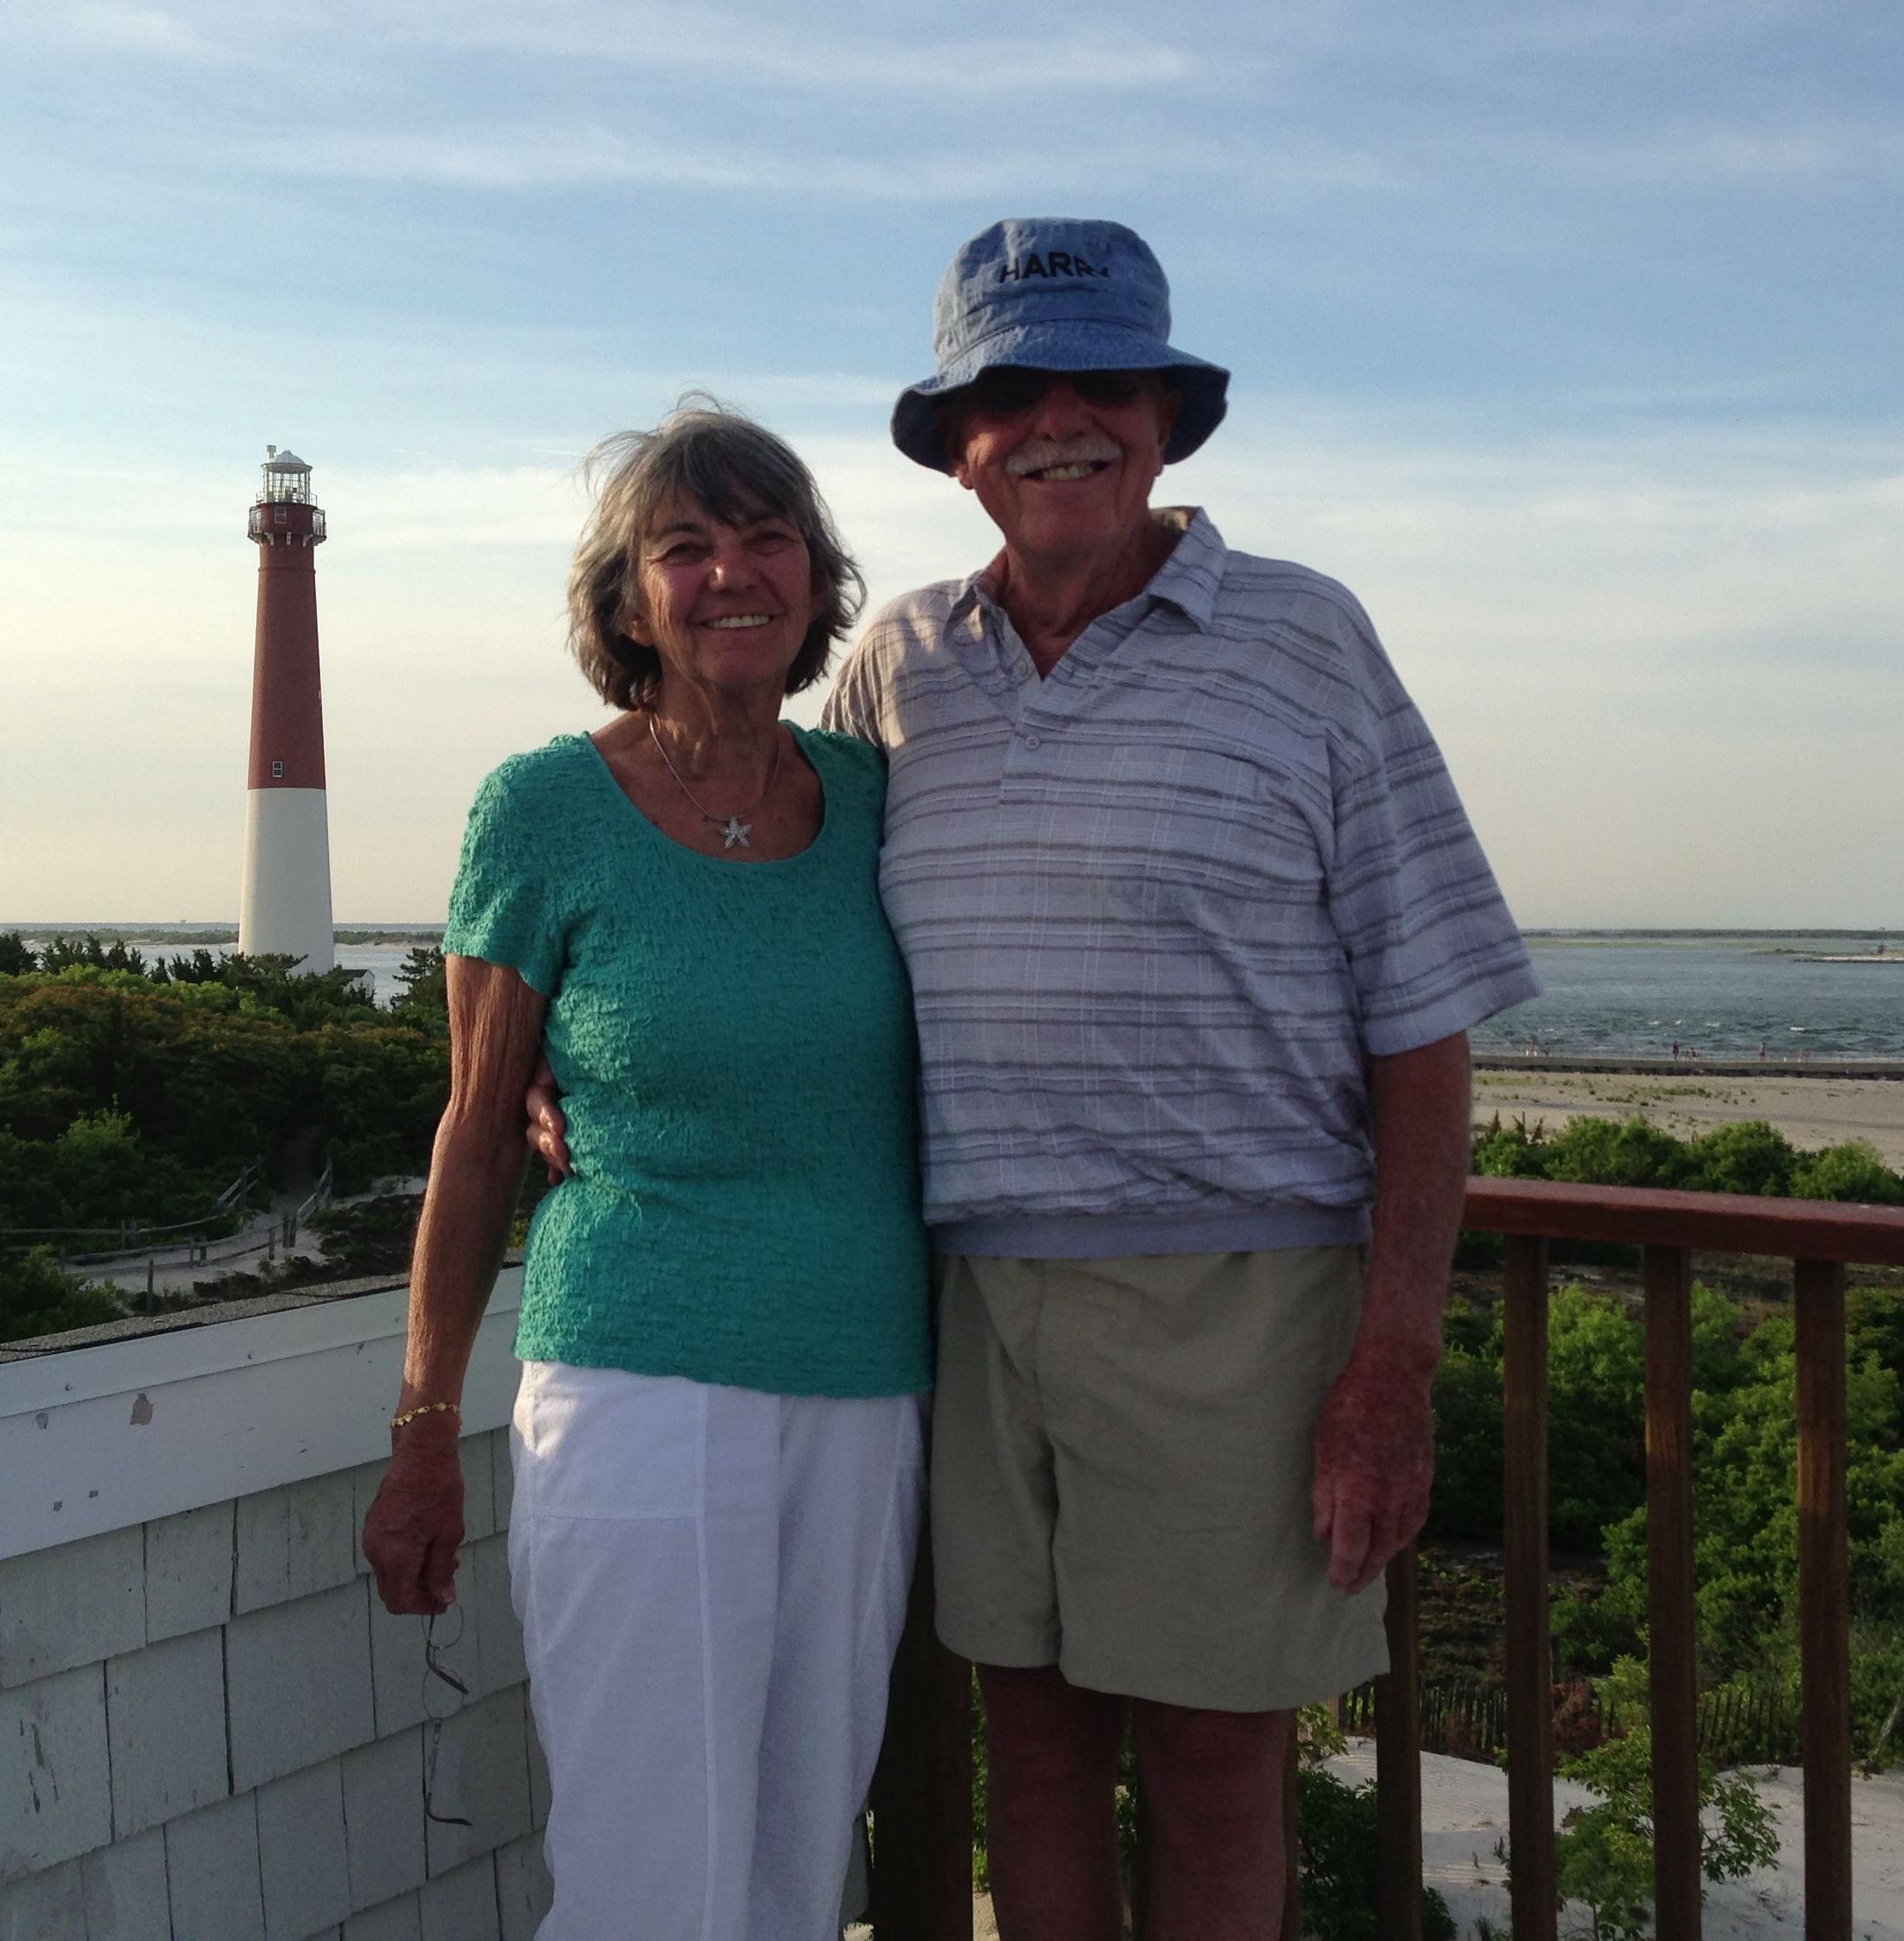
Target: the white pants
(711, 1584)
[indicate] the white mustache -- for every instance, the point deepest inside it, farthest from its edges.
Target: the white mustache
(1088, 449)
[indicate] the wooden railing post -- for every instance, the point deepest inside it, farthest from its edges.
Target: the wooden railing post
(921, 1876)
(1529, 1673)
(1824, 1572)
(1672, 1665)
(1819, 1237)
(1398, 1762)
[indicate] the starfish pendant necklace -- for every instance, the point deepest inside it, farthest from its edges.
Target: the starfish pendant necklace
(732, 831)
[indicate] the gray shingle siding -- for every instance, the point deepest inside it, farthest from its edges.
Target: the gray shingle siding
(209, 1727)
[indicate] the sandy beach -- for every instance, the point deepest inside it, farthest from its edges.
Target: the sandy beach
(1810, 1112)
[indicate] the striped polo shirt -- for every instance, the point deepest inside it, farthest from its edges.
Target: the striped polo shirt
(1160, 906)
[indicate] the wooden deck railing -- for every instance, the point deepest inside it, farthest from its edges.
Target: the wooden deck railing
(922, 1795)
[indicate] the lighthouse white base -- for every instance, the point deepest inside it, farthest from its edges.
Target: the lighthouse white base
(285, 905)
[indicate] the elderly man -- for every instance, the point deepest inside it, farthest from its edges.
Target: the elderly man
(1195, 925)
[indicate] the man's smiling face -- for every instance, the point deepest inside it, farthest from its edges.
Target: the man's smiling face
(1062, 461)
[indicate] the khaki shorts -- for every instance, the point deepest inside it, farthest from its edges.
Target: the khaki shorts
(1122, 1457)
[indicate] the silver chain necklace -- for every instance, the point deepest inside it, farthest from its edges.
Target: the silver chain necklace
(733, 829)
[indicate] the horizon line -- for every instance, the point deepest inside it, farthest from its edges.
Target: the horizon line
(60, 926)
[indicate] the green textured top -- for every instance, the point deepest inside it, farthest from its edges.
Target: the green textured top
(734, 1046)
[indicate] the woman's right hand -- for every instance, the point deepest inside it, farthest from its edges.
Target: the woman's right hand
(415, 1525)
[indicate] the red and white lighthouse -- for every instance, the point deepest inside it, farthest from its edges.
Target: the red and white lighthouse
(285, 903)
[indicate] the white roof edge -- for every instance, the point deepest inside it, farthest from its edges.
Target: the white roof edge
(97, 1439)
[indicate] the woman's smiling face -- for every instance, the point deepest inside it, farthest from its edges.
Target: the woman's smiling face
(724, 604)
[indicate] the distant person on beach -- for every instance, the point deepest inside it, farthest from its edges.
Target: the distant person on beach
(719, 1471)
(1195, 925)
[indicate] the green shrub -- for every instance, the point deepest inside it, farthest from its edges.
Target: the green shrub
(1604, 1855)
(1852, 1171)
(38, 1296)
(1749, 1157)
(1512, 1152)
(1338, 1836)
(1625, 1152)
(1467, 1502)
(368, 1236)
(425, 999)
(1596, 1415)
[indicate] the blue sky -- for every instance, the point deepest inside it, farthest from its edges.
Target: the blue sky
(1567, 335)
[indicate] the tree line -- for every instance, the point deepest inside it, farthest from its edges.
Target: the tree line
(135, 1091)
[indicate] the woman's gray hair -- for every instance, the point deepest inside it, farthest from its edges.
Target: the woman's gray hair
(734, 470)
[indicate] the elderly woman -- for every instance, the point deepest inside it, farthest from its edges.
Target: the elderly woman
(724, 1323)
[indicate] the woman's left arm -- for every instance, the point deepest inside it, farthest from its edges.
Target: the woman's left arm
(413, 1529)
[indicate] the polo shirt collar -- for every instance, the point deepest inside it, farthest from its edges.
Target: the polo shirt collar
(1188, 580)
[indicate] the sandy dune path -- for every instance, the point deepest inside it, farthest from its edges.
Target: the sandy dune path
(1810, 1112)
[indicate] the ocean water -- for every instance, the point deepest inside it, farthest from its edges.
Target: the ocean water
(383, 960)
(1719, 996)
(1608, 992)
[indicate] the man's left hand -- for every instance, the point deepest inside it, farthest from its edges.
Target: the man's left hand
(1375, 1468)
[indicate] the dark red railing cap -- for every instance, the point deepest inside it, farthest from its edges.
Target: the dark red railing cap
(1716, 1222)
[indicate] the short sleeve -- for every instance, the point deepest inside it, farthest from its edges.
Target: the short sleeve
(851, 707)
(1430, 944)
(504, 907)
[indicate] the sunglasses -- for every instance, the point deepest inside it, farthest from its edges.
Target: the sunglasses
(434, 1667)
(1007, 389)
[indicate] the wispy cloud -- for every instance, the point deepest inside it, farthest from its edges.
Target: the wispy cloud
(553, 155)
(1695, 154)
(1614, 549)
(151, 32)
(471, 508)
(508, 158)
(760, 50)
(757, 49)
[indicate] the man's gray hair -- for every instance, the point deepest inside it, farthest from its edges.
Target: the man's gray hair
(734, 470)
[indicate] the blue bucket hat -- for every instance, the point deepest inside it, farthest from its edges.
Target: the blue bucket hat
(1056, 294)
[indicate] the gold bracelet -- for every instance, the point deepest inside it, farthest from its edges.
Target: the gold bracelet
(426, 1408)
